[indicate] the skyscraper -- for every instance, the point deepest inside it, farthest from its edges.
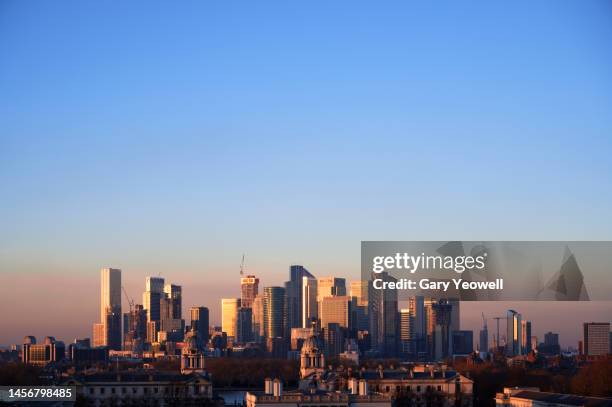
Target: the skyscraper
(229, 315)
(513, 333)
(441, 316)
(309, 301)
(151, 299)
(258, 319)
(199, 322)
(596, 338)
(294, 299)
(359, 290)
(249, 288)
(174, 294)
(274, 312)
(382, 312)
(416, 305)
(336, 310)
(406, 330)
(135, 328)
(526, 336)
(330, 287)
(244, 325)
(108, 331)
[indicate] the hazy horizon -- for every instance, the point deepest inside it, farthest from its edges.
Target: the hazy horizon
(74, 318)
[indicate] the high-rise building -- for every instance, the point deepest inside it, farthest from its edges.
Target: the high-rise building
(294, 297)
(416, 305)
(484, 340)
(441, 339)
(229, 315)
(174, 294)
(108, 331)
(513, 333)
(406, 330)
(336, 310)
(274, 312)
(151, 299)
(463, 342)
(359, 290)
(258, 319)
(134, 328)
(333, 335)
(310, 310)
(330, 287)
(382, 312)
(249, 289)
(596, 338)
(244, 325)
(526, 336)
(200, 322)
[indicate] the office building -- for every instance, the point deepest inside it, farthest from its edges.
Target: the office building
(174, 294)
(359, 290)
(41, 354)
(244, 325)
(596, 338)
(258, 319)
(462, 342)
(135, 329)
(333, 336)
(483, 343)
(382, 312)
(441, 340)
(513, 333)
(108, 331)
(336, 310)
(407, 334)
(310, 310)
(200, 322)
(294, 293)
(526, 336)
(151, 299)
(416, 305)
(330, 287)
(249, 289)
(274, 312)
(229, 316)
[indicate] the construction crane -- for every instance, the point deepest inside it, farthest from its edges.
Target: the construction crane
(242, 265)
(130, 301)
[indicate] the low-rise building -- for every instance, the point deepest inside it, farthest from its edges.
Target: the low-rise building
(533, 397)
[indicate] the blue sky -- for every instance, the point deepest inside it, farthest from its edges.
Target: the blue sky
(165, 138)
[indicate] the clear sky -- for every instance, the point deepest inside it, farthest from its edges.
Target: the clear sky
(171, 138)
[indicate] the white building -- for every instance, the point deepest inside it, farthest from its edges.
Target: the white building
(530, 396)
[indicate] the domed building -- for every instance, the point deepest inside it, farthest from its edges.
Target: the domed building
(192, 355)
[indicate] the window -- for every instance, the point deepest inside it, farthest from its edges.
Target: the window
(123, 390)
(91, 390)
(113, 390)
(418, 388)
(102, 389)
(156, 390)
(134, 390)
(146, 390)
(439, 388)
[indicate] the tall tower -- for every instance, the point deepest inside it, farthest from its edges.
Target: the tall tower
(174, 293)
(382, 312)
(274, 312)
(249, 288)
(229, 316)
(151, 299)
(295, 299)
(108, 331)
(309, 301)
(199, 322)
(513, 333)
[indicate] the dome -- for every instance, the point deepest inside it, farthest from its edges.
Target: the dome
(191, 342)
(311, 345)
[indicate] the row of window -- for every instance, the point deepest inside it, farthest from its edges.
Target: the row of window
(407, 388)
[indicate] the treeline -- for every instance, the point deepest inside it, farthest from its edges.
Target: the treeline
(243, 372)
(594, 379)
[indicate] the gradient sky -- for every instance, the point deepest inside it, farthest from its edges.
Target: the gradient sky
(169, 139)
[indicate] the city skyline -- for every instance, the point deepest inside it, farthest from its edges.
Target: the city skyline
(542, 314)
